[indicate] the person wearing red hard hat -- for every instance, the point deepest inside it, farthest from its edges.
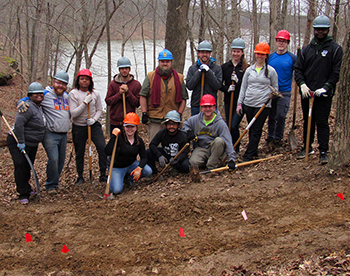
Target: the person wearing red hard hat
(214, 138)
(79, 99)
(129, 146)
(254, 94)
(283, 61)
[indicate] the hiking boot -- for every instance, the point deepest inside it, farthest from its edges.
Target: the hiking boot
(24, 201)
(323, 158)
(277, 143)
(302, 153)
(80, 180)
(103, 178)
(269, 142)
(51, 191)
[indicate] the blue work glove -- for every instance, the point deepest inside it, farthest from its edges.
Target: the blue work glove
(21, 146)
(231, 88)
(321, 92)
(234, 78)
(90, 121)
(162, 161)
(204, 67)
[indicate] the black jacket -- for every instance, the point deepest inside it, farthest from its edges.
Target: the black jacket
(318, 65)
(227, 69)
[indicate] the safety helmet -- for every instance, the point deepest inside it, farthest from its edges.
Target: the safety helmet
(123, 62)
(62, 76)
(35, 87)
(131, 119)
(262, 48)
(205, 46)
(321, 21)
(172, 115)
(165, 55)
(283, 34)
(238, 43)
(207, 99)
(85, 72)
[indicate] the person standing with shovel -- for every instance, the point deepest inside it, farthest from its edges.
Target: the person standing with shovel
(123, 90)
(254, 94)
(317, 70)
(203, 77)
(80, 99)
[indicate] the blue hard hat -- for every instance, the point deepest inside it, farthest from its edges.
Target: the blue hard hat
(165, 55)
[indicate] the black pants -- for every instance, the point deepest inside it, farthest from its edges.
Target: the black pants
(319, 117)
(152, 158)
(22, 168)
(255, 130)
(80, 136)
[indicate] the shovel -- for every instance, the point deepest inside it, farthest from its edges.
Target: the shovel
(311, 102)
(107, 194)
(291, 136)
(89, 144)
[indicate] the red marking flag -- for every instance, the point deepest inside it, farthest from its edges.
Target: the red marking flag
(340, 195)
(65, 249)
(182, 233)
(28, 238)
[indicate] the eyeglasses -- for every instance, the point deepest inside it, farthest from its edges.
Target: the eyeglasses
(60, 83)
(281, 41)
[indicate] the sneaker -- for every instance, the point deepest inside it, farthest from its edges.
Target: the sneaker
(323, 158)
(24, 201)
(302, 154)
(80, 181)
(103, 178)
(51, 191)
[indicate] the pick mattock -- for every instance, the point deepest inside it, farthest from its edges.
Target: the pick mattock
(107, 193)
(89, 144)
(307, 146)
(241, 164)
(202, 84)
(291, 136)
(274, 92)
(26, 156)
(176, 156)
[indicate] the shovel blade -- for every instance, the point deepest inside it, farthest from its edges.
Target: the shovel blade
(292, 140)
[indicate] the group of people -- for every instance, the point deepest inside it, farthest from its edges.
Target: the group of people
(44, 116)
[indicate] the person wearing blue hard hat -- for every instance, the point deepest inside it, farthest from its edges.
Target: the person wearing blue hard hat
(162, 90)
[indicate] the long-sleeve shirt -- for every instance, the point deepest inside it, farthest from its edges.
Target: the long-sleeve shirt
(79, 110)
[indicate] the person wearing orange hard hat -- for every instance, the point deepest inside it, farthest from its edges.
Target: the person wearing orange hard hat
(254, 94)
(214, 138)
(79, 98)
(129, 146)
(283, 61)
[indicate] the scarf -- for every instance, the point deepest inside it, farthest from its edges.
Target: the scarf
(155, 96)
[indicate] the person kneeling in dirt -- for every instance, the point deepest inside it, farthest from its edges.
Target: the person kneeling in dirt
(172, 140)
(129, 145)
(214, 138)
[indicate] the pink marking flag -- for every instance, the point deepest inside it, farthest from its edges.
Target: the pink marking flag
(182, 233)
(244, 215)
(28, 238)
(340, 195)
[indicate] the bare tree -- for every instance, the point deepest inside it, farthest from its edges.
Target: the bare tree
(310, 17)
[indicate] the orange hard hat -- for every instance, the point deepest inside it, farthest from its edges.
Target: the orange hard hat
(262, 48)
(283, 34)
(131, 119)
(207, 99)
(85, 72)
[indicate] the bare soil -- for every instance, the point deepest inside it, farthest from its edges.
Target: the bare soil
(297, 225)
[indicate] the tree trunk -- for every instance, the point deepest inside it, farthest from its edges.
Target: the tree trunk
(336, 20)
(109, 63)
(340, 151)
(310, 18)
(274, 4)
(201, 33)
(176, 31)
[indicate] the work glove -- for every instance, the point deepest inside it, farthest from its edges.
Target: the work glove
(239, 109)
(21, 146)
(116, 131)
(162, 161)
(173, 161)
(22, 107)
(204, 67)
(231, 165)
(231, 88)
(145, 118)
(305, 91)
(234, 78)
(90, 121)
(136, 174)
(191, 136)
(321, 92)
(88, 99)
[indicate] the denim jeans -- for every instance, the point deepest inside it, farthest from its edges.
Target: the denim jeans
(195, 110)
(55, 145)
(117, 179)
(236, 120)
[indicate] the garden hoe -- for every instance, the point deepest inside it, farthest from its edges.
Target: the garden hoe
(242, 164)
(291, 136)
(27, 157)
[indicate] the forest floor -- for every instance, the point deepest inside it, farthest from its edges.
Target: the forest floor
(296, 224)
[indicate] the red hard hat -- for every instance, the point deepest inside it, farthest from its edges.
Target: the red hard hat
(131, 119)
(207, 99)
(262, 48)
(283, 34)
(85, 72)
